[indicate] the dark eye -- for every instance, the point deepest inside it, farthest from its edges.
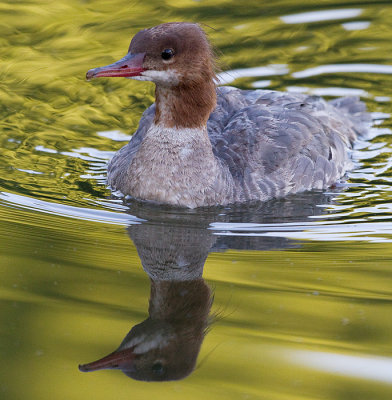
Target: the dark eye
(167, 54)
(157, 368)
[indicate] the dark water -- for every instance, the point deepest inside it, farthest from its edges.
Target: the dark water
(295, 295)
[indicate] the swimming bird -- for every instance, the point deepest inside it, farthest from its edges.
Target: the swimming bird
(203, 145)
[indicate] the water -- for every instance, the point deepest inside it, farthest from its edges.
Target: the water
(300, 288)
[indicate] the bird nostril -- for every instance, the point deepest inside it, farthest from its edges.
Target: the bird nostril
(124, 66)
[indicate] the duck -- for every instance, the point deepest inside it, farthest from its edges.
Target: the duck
(204, 145)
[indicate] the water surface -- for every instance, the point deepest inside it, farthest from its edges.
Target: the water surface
(297, 292)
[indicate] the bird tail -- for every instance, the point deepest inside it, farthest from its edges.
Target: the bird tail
(355, 110)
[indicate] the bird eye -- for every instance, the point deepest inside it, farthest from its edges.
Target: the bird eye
(167, 54)
(157, 368)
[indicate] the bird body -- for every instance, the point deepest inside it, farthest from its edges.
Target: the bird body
(199, 145)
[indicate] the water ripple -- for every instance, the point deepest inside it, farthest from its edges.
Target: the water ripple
(81, 213)
(317, 16)
(339, 68)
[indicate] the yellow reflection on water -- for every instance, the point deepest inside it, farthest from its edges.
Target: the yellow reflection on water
(71, 289)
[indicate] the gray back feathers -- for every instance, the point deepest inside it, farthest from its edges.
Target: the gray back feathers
(269, 144)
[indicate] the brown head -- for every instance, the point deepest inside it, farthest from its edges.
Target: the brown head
(165, 346)
(178, 58)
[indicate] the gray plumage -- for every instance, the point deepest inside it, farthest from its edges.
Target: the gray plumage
(265, 145)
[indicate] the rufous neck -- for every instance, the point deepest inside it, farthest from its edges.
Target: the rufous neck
(180, 301)
(185, 106)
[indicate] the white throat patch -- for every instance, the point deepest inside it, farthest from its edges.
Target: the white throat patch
(165, 78)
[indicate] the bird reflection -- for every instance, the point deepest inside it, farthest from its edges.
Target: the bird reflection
(165, 346)
(173, 248)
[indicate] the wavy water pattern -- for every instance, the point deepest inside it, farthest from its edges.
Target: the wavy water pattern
(301, 286)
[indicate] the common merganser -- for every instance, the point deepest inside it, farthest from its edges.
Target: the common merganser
(200, 145)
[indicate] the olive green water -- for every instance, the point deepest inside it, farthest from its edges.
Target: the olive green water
(301, 287)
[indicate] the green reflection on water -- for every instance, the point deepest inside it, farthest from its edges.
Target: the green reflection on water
(72, 289)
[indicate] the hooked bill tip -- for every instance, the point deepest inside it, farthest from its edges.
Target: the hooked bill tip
(84, 368)
(90, 75)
